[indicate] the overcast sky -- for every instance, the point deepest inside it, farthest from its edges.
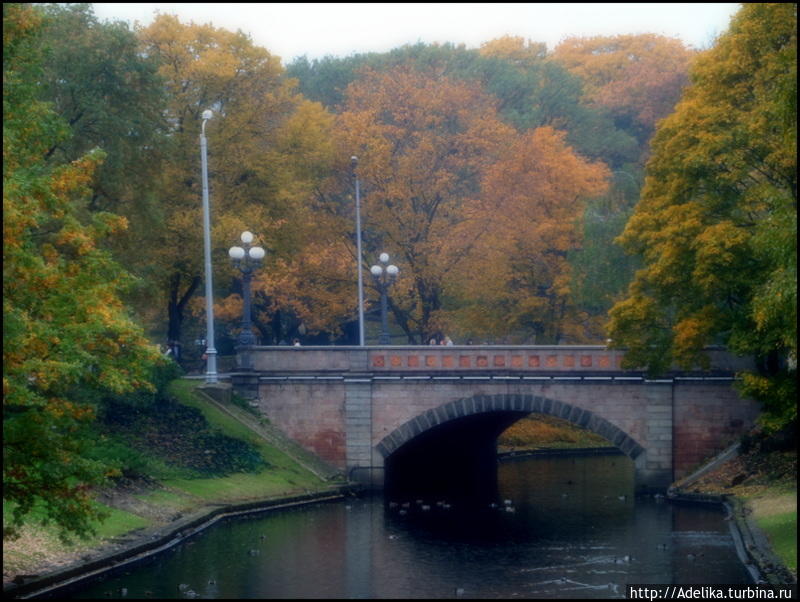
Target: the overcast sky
(342, 29)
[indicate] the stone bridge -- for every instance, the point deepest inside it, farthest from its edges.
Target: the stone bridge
(382, 413)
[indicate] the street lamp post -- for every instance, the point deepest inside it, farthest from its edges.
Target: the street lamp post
(246, 259)
(354, 165)
(384, 277)
(211, 351)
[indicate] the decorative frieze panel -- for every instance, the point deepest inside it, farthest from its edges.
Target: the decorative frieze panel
(513, 359)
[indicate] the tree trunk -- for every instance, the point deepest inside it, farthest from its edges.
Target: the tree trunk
(175, 311)
(401, 319)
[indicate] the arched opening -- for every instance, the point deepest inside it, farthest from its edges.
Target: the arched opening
(456, 459)
(451, 451)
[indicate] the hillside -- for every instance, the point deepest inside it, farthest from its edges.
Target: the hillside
(179, 455)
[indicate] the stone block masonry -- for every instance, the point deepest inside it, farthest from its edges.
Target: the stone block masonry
(354, 407)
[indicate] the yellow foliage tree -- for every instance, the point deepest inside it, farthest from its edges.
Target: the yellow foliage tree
(717, 223)
(267, 147)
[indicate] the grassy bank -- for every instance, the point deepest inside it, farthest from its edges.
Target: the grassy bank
(764, 477)
(776, 514)
(178, 456)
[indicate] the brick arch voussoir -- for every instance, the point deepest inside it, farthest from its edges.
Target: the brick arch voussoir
(508, 402)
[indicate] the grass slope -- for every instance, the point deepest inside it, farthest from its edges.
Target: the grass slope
(177, 457)
(282, 476)
(776, 515)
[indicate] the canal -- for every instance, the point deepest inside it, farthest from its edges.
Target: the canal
(561, 527)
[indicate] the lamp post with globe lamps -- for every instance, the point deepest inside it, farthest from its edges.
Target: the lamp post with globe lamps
(246, 258)
(384, 277)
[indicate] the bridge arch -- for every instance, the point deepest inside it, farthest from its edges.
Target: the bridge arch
(518, 403)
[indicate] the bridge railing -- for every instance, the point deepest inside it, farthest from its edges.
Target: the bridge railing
(456, 358)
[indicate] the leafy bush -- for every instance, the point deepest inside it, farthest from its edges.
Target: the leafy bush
(178, 434)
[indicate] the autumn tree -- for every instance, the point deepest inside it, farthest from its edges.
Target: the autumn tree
(531, 90)
(423, 142)
(517, 282)
(637, 78)
(252, 187)
(464, 204)
(67, 336)
(716, 225)
(307, 290)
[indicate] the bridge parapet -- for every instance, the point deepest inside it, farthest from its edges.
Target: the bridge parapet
(456, 358)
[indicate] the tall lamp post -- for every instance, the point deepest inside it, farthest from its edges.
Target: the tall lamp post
(211, 351)
(247, 259)
(384, 277)
(354, 165)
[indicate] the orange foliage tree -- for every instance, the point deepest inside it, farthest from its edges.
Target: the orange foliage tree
(423, 142)
(639, 78)
(517, 282)
(467, 207)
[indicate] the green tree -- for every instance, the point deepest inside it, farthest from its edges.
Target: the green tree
(66, 335)
(111, 97)
(716, 225)
(601, 269)
(535, 90)
(109, 94)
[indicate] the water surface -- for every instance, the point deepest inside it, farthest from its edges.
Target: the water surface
(572, 529)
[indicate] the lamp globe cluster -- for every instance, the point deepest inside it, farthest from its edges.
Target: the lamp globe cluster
(246, 258)
(384, 277)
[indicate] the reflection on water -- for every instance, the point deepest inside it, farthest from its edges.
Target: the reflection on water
(560, 528)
